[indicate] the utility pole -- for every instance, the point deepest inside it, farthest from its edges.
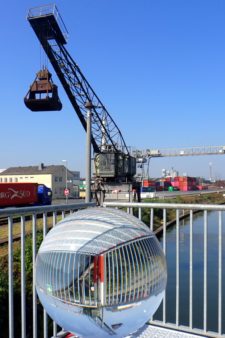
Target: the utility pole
(210, 171)
(89, 107)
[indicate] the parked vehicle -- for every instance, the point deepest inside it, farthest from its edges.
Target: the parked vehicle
(172, 188)
(82, 193)
(23, 194)
(147, 192)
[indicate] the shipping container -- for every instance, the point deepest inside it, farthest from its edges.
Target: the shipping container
(162, 185)
(23, 194)
(202, 187)
(148, 183)
(18, 194)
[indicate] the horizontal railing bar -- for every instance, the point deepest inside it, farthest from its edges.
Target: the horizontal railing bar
(166, 206)
(43, 209)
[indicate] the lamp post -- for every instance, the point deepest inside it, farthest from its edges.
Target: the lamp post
(65, 161)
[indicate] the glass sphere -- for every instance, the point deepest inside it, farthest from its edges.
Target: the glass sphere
(101, 272)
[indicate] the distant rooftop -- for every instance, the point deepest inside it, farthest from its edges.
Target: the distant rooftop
(33, 170)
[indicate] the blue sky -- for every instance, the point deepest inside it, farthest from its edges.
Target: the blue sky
(157, 65)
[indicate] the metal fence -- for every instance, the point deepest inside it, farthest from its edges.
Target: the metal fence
(187, 211)
(21, 217)
(152, 213)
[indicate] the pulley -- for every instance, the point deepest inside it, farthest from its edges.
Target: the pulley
(43, 93)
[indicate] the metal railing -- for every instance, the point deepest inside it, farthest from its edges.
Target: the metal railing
(187, 211)
(40, 219)
(152, 210)
(46, 10)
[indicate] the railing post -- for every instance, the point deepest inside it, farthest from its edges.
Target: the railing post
(152, 219)
(191, 272)
(139, 213)
(177, 266)
(54, 220)
(164, 250)
(10, 277)
(23, 280)
(220, 274)
(205, 280)
(45, 315)
(34, 239)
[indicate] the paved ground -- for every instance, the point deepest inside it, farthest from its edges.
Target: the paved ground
(149, 331)
(70, 201)
(157, 332)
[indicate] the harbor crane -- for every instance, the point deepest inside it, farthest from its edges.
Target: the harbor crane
(114, 162)
(143, 157)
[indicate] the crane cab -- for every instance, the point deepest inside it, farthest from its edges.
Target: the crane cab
(43, 93)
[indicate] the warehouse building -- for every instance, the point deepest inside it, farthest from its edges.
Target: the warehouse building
(53, 176)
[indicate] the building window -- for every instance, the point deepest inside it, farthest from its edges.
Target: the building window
(10, 179)
(56, 179)
(5, 180)
(15, 179)
(60, 179)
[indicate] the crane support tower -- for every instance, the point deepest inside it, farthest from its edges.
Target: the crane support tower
(113, 161)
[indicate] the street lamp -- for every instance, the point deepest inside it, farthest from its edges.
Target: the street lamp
(66, 190)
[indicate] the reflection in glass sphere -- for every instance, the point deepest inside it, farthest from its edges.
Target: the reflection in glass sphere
(101, 273)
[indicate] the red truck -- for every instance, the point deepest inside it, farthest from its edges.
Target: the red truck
(18, 194)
